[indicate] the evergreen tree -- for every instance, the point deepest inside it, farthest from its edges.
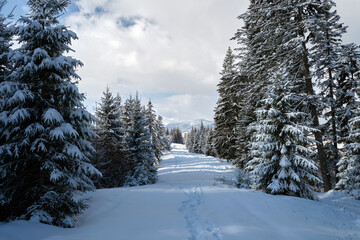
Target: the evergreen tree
(279, 35)
(5, 38)
(253, 76)
(111, 155)
(165, 143)
(332, 66)
(347, 85)
(196, 142)
(141, 151)
(191, 140)
(281, 160)
(44, 151)
(227, 110)
(201, 139)
(246, 116)
(154, 131)
(209, 149)
(176, 136)
(349, 165)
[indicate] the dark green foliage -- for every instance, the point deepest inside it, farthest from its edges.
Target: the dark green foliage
(159, 140)
(201, 141)
(141, 152)
(176, 136)
(5, 38)
(44, 128)
(110, 145)
(281, 158)
(227, 110)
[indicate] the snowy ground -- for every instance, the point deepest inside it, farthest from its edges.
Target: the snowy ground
(193, 199)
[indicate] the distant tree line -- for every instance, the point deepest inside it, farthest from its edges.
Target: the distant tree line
(175, 135)
(201, 141)
(270, 121)
(130, 141)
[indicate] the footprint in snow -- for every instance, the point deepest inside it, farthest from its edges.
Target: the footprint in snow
(199, 227)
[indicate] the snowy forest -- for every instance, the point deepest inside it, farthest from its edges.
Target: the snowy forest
(52, 149)
(288, 112)
(287, 116)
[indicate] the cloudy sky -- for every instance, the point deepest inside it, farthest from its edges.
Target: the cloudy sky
(168, 50)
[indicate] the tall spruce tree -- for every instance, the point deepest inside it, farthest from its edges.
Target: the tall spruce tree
(348, 80)
(349, 164)
(5, 38)
(227, 110)
(176, 136)
(165, 143)
(279, 36)
(141, 151)
(254, 75)
(189, 143)
(110, 158)
(44, 151)
(154, 131)
(209, 149)
(191, 140)
(333, 69)
(281, 160)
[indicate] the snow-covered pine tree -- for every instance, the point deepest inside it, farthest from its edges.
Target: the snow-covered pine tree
(191, 140)
(226, 111)
(165, 143)
(120, 129)
(281, 162)
(201, 139)
(110, 158)
(5, 38)
(253, 75)
(331, 60)
(349, 164)
(188, 139)
(347, 112)
(44, 151)
(176, 136)
(348, 79)
(279, 36)
(196, 141)
(209, 149)
(154, 131)
(246, 116)
(141, 151)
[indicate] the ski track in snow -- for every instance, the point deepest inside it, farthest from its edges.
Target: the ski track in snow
(200, 228)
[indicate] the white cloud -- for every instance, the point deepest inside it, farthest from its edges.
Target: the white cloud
(181, 107)
(169, 50)
(155, 47)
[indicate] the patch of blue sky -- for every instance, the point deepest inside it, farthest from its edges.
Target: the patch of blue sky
(100, 10)
(96, 12)
(127, 21)
(18, 7)
(72, 8)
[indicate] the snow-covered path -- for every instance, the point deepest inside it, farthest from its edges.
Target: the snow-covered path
(190, 201)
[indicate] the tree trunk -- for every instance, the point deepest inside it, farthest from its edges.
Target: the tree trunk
(324, 171)
(315, 119)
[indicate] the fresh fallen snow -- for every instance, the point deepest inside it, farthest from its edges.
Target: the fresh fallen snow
(194, 199)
